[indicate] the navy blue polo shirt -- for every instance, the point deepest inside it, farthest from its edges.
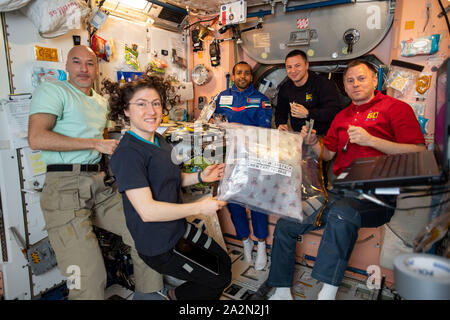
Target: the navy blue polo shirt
(319, 95)
(138, 163)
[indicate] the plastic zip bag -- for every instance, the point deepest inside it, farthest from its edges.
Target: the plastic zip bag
(402, 79)
(41, 74)
(263, 170)
(423, 83)
(207, 111)
(131, 57)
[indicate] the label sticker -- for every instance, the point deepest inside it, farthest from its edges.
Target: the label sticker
(302, 23)
(226, 100)
(270, 166)
(253, 100)
(409, 25)
(46, 54)
(261, 40)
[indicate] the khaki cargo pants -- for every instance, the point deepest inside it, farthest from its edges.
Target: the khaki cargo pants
(71, 203)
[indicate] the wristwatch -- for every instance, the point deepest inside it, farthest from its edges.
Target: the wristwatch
(199, 176)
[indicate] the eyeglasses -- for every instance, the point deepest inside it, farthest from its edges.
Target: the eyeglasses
(141, 104)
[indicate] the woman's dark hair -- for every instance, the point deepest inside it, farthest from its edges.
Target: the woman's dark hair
(121, 94)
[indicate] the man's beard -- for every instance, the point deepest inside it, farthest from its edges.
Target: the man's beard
(247, 84)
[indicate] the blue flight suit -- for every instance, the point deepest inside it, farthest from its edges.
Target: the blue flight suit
(249, 107)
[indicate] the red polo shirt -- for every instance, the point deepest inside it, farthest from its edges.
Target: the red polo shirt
(383, 117)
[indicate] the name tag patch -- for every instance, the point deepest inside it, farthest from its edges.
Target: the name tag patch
(226, 100)
(253, 100)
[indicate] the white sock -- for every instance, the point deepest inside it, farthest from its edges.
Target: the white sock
(328, 292)
(282, 293)
(248, 248)
(261, 256)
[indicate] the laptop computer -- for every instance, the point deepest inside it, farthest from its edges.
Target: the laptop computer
(408, 169)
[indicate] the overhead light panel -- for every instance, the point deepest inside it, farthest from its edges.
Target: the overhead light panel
(135, 4)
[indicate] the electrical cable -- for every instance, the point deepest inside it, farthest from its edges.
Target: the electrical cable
(426, 194)
(187, 27)
(410, 190)
(409, 245)
(318, 221)
(445, 15)
(423, 207)
(398, 236)
(101, 4)
(428, 17)
(381, 203)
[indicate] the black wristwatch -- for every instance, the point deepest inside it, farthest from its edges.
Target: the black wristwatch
(199, 176)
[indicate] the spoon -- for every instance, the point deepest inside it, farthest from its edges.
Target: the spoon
(344, 149)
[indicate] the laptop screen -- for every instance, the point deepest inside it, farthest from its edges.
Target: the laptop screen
(442, 116)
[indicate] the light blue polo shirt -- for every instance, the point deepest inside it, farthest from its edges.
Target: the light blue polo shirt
(77, 116)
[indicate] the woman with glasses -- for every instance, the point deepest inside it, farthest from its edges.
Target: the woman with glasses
(150, 184)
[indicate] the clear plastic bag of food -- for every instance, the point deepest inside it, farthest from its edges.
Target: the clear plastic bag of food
(207, 111)
(131, 57)
(423, 83)
(264, 169)
(402, 79)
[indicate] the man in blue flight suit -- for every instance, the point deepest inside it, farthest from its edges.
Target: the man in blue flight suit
(243, 104)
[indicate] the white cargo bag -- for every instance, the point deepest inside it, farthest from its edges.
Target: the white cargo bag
(11, 5)
(56, 17)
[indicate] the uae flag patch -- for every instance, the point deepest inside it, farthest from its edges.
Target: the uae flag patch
(266, 105)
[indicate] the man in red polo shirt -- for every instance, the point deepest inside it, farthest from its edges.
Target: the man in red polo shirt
(374, 124)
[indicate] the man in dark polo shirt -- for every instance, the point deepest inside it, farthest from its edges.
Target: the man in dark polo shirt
(305, 95)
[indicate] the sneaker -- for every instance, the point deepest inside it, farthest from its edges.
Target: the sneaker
(248, 248)
(261, 256)
(282, 294)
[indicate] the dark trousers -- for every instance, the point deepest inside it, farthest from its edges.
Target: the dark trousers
(200, 284)
(341, 221)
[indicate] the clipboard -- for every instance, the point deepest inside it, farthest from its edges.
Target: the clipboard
(16, 110)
